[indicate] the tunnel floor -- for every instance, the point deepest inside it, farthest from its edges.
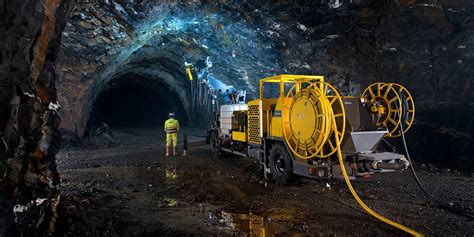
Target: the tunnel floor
(132, 189)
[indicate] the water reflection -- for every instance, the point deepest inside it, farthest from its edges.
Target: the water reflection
(251, 224)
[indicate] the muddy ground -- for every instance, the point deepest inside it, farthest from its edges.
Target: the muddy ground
(131, 189)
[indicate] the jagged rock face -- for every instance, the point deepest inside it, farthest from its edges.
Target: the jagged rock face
(30, 33)
(425, 45)
(109, 40)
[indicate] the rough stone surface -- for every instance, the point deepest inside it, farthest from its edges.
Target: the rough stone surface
(30, 33)
(426, 45)
(128, 192)
(423, 44)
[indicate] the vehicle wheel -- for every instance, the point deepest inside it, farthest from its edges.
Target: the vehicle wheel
(281, 165)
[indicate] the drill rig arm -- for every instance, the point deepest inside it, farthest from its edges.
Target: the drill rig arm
(214, 85)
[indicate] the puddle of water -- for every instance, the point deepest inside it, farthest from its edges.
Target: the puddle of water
(171, 174)
(276, 223)
(252, 224)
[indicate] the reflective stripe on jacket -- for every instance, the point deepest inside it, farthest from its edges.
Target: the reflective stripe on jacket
(171, 125)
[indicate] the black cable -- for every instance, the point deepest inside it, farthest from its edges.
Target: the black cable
(451, 208)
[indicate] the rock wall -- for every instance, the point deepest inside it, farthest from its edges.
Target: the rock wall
(30, 32)
(426, 45)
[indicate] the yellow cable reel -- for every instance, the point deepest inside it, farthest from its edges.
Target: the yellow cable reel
(407, 109)
(307, 119)
(385, 105)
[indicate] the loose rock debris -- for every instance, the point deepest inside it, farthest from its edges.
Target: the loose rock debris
(133, 190)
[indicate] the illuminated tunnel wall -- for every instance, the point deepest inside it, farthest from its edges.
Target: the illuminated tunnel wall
(426, 47)
(155, 48)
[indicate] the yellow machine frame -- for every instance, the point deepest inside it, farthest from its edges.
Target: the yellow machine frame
(308, 131)
(287, 78)
(261, 122)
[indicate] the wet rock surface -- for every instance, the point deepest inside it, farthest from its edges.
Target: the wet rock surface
(29, 138)
(137, 191)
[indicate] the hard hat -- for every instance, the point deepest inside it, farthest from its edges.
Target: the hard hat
(171, 115)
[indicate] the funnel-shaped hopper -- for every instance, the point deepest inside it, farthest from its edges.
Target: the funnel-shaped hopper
(362, 142)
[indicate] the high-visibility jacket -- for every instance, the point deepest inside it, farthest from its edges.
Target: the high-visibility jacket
(171, 125)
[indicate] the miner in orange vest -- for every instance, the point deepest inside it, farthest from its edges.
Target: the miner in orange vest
(171, 129)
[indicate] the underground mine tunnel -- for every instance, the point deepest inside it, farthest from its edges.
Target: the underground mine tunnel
(132, 102)
(327, 117)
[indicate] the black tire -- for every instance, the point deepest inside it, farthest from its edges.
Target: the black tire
(281, 165)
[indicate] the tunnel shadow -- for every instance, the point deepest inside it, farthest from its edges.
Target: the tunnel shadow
(136, 106)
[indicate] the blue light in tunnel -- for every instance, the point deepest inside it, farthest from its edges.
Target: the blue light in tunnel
(243, 52)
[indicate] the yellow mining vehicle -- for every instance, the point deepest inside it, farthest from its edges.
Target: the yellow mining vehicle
(301, 125)
(299, 121)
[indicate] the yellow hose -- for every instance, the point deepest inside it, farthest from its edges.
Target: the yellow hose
(357, 198)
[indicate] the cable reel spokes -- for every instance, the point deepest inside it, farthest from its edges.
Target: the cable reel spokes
(407, 110)
(304, 121)
(307, 120)
(335, 108)
(384, 103)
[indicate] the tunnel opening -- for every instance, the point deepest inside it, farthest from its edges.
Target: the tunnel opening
(128, 105)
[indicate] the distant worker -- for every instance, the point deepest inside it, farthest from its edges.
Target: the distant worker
(171, 129)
